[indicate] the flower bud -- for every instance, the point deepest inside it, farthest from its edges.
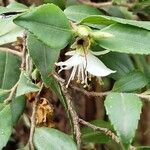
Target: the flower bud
(83, 31)
(99, 35)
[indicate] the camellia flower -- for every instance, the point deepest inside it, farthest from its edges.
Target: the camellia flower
(84, 65)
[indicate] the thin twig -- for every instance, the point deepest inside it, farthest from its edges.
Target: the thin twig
(99, 94)
(23, 64)
(90, 94)
(73, 113)
(104, 130)
(12, 93)
(33, 120)
(11, 51)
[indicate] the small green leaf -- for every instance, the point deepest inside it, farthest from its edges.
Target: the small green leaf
(131, 82)
(25, 85)
(13, 7)
(17, 108)
(43, 23)
(120, 62)
(88, 135)
(48, 138)
(9, 70)
(10, 31)
(5, 124)
(124, 112)
(79, 12)
(107, 20)
(126, 39)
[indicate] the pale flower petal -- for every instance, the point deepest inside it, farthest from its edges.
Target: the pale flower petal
(96, 67)
(72, 61)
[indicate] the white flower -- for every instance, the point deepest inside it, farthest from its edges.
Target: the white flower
(84, 65)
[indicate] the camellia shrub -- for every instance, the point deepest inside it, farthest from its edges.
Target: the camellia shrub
(64, 49)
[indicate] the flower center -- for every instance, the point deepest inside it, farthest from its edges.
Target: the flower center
(82, 46)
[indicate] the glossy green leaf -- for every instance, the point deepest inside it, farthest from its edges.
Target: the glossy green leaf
(5, 124)
(107, 20)
(119, 62)
(124, 112)
(126, 39)
(17, 108)
(10, 31)
(13, 7)
(88, 135)
(79, 12)
(60, 3)
(48, 138)
(44, 59)
(25, 85)
(9, 70)
(130, 82)
(49, 24)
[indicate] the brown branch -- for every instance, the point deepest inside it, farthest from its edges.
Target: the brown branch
(104, 130)
(72, 112)
(23, 64)
(90, 94)
(33, 120)
(98, 94)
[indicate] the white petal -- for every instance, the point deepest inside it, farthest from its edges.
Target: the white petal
(72, 61)
(96, 67)
(70, 53)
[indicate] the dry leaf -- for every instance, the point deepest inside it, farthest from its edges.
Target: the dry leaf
(44, 114)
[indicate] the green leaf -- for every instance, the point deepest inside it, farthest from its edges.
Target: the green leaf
(119, 62)
(79, 12)
(107, 20)
(10, 31)
(143, 148)
(59, 3)
(3, 95)
(88, 135)
(43, 23)
(9, 70)
(17, 108)
(126, 39)
(44, 59)
(121, 12)
(124, 112)
(130, 82)
(25, 85)
(13, 7)
(48, 138)
(5, 124)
